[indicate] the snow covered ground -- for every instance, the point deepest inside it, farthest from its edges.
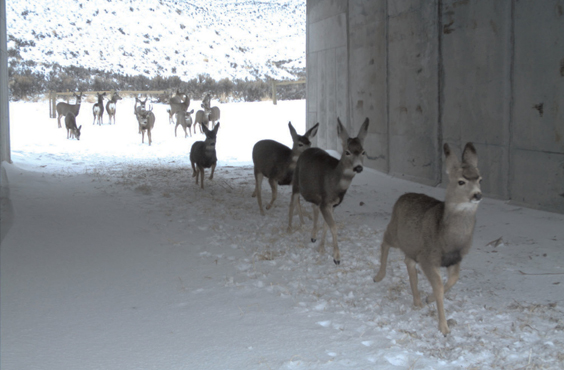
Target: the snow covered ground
(117, 260)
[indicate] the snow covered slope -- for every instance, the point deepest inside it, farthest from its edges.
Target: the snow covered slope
(222, 38)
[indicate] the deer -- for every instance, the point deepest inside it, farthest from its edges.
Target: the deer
(111, 106)
(177, 105)
(64, 108)
(202, 118)
(139, 108)
(146, 120)
(276, 162)
(72, 130)
(434, 233)
(98, 109)
(202, 154)
(323, 180)
(184, 119)
(213, 113)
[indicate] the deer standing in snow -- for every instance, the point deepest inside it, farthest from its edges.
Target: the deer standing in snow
(276, 162)
(98, 109)
(323, 181)
(64, 108)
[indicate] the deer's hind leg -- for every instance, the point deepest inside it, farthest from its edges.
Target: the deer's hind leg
(384, 249)
(274, 187)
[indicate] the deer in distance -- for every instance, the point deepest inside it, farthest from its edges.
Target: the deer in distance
(64, 108)
(111, 107)
(177, 104)
(324, 180)
(146, 120)
(184, 119)
(70, 123)
(276, 162)
(434, 233)
(203, 155)
(139, 108)
(98, 109)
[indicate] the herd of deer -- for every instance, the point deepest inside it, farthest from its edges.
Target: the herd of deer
(429, 232)
(145, 117)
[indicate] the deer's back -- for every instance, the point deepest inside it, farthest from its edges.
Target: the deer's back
(273, 160)
(70, 121)
(314, 174)
(414, 224)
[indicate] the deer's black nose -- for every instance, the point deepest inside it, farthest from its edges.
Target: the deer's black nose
(358, 169)
(478, 196)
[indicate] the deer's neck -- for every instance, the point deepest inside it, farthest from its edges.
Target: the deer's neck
(344, 175)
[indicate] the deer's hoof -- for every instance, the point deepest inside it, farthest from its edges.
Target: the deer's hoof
(337, 262)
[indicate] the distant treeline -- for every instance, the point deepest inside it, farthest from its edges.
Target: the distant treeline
(25, 84)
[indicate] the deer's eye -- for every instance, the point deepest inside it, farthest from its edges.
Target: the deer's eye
(300, 145)
(461, 182)
(363, 152)
(347, 153)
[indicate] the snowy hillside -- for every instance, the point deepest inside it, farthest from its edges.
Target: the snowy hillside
(223, 38)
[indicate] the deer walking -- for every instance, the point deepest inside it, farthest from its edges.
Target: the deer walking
(111, 106)
(184, 119)
(72, 130)
(277, 162)
(323, 181)
(139, 108)
(98, 109)
(436, 234)
(202, 154)
(64, 108)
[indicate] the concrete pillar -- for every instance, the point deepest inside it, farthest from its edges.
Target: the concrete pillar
(5, 153)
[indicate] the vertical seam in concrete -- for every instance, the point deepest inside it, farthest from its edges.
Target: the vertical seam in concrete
(440, 82)
(511, 98)
(349, 108)
(386, 36)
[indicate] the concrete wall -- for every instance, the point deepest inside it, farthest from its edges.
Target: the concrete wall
(4, 114)
(432, 71)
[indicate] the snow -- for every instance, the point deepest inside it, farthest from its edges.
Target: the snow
(117, 260)
(225, 39)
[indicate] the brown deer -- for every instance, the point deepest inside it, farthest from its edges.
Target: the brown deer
(184, 119)
(323, 181)
(98, 109)
(178, 105)
(146, 120)
(203, 155)
(64, 108)
(72, 130)
(276, 162)
(111, 107)
(436, 234)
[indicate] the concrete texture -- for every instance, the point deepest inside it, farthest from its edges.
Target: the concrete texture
(427, 72)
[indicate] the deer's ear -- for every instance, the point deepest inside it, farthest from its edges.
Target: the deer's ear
(469, 155)
(216, 128)
(293, 132)
(363, 131)
(450, 159)
(312, 131)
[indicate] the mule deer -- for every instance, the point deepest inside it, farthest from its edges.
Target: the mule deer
(139, 108)
(72, 130)
(177, 105)
(213, 113)
(64, 108)
(323, 180)
(184, 119)
(276, 162)
(202, 118)
(98, 109)
(436, 234)
(202, 154)
(146, 120)
(111, 107)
